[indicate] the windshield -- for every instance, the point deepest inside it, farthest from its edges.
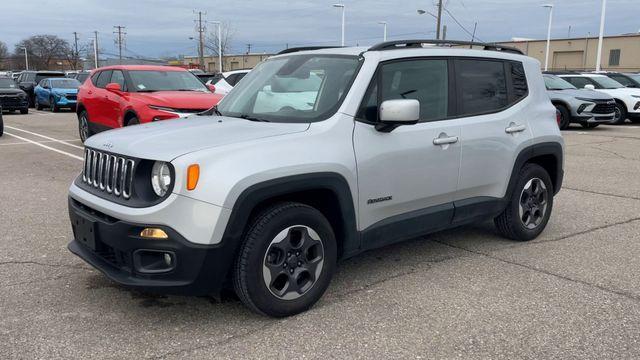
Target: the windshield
(40, 76)
(553, 82)
(7, 83)
(153, 80)
(65, 83)
(607, 82)
(296, 88)
(635, 77)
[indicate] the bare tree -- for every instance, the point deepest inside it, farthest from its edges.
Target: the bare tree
(44, 51)
(4, 56)
(226, 36)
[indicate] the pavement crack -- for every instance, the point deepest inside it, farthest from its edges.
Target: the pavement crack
(601, 193)
(31, 262)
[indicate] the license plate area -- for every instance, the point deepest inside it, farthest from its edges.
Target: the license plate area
(84, 231)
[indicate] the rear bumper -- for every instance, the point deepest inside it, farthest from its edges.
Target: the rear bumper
(117, 250)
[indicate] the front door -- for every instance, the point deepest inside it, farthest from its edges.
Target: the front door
(409, 174)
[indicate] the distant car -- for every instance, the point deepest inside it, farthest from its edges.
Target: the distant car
(11, 97)
(28, 80)
(56, 93)
(629, 80)
(227, 81)
(627, 99)
(15, 75)
(588, 108)
(80, 76)
(205, 77)
(118, 96)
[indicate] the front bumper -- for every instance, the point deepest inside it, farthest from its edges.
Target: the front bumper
(595, 118)
(14, 103)
(114, 247)
(64, 102)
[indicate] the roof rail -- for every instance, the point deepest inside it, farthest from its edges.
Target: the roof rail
(402, 44)
(305, 48)
(561, 72)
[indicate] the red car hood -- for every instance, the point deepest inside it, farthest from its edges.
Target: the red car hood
(180, 99)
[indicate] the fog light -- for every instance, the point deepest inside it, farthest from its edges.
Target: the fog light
(154, 233)
(167, 259)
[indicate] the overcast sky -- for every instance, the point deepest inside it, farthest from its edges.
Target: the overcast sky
(163, 27)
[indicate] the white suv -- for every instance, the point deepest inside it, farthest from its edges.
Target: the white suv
(627, 99)
(392, 142)
(225, 81)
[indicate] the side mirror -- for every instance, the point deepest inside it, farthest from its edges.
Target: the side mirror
(589, 87)
(394, 113)
(113, 87)
(211, 87)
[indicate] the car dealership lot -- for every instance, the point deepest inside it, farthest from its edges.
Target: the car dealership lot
(460, 293)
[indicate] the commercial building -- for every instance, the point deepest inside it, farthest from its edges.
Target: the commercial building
(619, 53)
(229, 62)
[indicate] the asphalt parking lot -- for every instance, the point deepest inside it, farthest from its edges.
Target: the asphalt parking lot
(573, 292)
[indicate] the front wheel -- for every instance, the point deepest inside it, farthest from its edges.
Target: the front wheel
(53, 105)
(1, 123)
(286, 260)
(24, 111)
(529, 208)
(620, 114)
(37, 104)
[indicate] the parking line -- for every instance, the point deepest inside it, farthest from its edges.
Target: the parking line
(23, 143)
(46, 137)
(45, 146)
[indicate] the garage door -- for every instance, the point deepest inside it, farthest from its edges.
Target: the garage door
(567, 60)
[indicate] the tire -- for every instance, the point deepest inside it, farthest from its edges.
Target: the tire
(24, 111)
(32, 100)
(84, 130)
(565, 117)
(133, 121)
(589, 126)
(620, 114)
(511, 222)
(1, 123)
(53, 106)
(37, 104)
(269, 247)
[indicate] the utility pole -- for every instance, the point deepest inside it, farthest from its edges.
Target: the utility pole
(119, 31)
(473, 36)
(26, 59)
(444, 32)
(439, 18)
(599, 55)
(248, 49)
(76, 56)
(95, 49)
(201, 30)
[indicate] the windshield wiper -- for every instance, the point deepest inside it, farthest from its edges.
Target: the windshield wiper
(146, 90)
(252, 118)
(212, 111)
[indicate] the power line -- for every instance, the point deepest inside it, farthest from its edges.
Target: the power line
(461, 26)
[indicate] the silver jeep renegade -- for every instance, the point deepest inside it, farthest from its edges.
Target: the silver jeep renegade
(316, 156)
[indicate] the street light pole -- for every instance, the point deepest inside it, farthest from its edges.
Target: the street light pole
(599, 55)
(384, 23)
(26, 59)
(546, 55)
(343, 9)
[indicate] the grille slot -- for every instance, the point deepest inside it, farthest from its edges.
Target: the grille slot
(109, 173)
(603, 108)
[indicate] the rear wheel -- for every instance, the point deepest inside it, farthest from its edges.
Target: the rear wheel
(286, 260)
(83, 126)
(565, 117)
(24, 111)
(529, 207)
(620, 114)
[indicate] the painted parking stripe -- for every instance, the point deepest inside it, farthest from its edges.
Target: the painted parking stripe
(23, 143)
(46, 137)
(45, 146)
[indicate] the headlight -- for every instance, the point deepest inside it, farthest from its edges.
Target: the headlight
(584, 99)
(162, 108)
(160, 178)
(58, 94)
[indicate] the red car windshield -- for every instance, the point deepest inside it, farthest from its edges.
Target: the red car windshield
(153, 80)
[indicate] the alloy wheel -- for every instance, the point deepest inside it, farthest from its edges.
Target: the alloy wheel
(533, 203)
(293, 262)
(84, 127)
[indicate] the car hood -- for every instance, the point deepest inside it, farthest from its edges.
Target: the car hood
(180, 99)
(65, 91)
(581, 93)
(621, 91)
(169, 139)
(10, 91)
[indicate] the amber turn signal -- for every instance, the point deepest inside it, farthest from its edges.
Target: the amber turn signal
(154, 233)
(193, 174)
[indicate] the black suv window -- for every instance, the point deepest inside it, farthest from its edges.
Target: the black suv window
(423, 80)
(481, 86)
(518, 81)
(94, 77)
(104, 78)
(623, 80)
(579, 82)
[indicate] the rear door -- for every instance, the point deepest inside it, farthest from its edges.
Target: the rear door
(494, 116)
(406, 181)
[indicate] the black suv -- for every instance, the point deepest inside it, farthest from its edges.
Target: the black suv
(11, 97)
(28, 80)
(629, 80)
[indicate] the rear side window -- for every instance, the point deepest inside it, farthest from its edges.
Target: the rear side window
(622, 80)
(103, 79)
(481, 86)
(518, 81)
(94, 77)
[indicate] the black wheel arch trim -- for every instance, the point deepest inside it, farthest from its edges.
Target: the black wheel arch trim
(533, 151)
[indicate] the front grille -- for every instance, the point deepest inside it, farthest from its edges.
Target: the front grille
(109, 173)
(604, 108)
(71, 97)
(10, 100)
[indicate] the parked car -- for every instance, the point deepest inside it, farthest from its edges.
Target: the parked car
(205, 77)
(629, 80)
(81, 76)
(11, 97)
(1, 122)
(627, 99)
(588, 108)
(56, 93)
(15, 75)
(118, 96)
(400, 141)
(228, 79)
(29, 79)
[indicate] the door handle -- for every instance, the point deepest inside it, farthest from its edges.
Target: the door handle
(445, 140)
(513, 128)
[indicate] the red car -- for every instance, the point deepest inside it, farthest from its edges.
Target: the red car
(117, 96)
